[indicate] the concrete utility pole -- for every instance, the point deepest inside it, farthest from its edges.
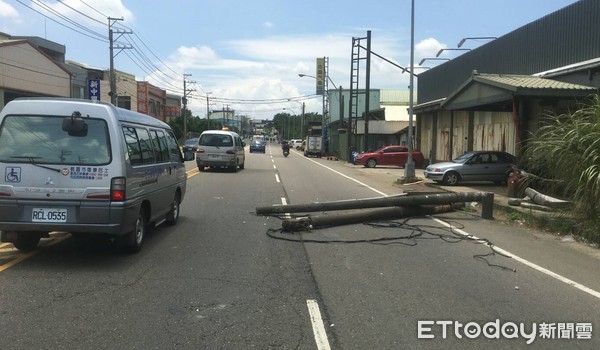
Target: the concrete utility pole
(208, 111)
(113, 78)
(184, 101)
(409, 168)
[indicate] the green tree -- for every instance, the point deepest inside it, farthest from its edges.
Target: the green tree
(564, 154)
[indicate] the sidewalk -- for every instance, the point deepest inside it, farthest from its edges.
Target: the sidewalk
(392, 174)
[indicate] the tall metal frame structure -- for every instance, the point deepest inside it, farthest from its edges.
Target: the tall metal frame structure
(353, 113)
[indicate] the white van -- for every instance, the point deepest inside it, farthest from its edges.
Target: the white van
(218, 148)
(86, 167)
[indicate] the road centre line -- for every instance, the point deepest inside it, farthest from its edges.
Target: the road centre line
(23, 256)
(317, 325)
(522, 261)
(277, 178)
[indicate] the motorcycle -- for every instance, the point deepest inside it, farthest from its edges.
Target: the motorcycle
(286, 149)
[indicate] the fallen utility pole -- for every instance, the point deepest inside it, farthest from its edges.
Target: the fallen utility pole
(306, 223)
(485, 198)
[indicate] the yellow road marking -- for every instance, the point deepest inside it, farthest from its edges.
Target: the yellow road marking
(47, 242)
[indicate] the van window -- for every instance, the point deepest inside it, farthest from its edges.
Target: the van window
(40, 139)
(174, 150)
(139, 145)
(161, 150)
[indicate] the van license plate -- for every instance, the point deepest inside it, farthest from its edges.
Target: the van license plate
(49, 215)
(214, 156)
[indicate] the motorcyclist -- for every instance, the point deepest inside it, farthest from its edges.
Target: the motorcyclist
(285, 146)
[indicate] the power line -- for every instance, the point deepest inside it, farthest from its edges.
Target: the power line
(93, 8)
(104, 39)
(65, 18)
(81, 13)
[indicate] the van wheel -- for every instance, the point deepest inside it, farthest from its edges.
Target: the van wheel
(173, 215)
(242, 165)
(27, 241)
(200, 167)
(132, 241)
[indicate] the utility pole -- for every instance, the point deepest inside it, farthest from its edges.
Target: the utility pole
(409, 167)
(367, 91)
(184, 101)
(302, 123)
(208, 110)
(113, 78)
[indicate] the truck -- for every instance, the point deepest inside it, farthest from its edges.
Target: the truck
(313, 146)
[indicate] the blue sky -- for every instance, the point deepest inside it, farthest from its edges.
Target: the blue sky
(248, 53)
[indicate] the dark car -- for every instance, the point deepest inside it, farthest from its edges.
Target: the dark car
(493, 166)
(257, 146)
(389, 155)
(190, 145)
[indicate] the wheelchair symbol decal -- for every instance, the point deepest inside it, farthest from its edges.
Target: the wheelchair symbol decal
(12, 174)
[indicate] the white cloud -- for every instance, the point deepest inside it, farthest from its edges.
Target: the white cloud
(262, 69)
(427, 48)
(7, 11)
(268, 24)
(94, 12)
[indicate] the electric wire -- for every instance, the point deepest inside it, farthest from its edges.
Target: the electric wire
(81, 13)
(416, 232)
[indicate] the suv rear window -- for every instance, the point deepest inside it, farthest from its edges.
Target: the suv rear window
(216, 140)
(41, 140)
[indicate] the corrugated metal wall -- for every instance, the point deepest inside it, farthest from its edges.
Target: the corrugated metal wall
(494, 131)
(567, 36)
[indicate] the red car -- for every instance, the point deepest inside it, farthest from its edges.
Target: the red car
(389, 155)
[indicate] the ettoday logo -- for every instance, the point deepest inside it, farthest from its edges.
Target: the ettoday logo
(507, 330)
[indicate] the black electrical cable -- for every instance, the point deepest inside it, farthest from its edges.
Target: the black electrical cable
(417, 232)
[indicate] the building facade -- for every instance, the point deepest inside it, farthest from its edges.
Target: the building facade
(494, 96)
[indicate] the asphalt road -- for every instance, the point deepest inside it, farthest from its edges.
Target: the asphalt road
(225, 278)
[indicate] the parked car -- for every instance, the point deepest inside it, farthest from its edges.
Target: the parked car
(473, 166)
(389, 155)
(191, 145)
(257, 146)
(295, 143)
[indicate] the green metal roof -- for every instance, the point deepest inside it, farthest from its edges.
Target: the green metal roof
(483, 89)
(515, 82)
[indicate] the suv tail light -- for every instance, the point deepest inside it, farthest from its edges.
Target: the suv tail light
(117, 189)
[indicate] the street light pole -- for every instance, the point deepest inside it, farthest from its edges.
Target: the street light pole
(409, 168)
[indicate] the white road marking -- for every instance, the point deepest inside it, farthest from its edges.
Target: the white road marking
(317, 324)
(274, 166)
(524, 261)
(348, 177)
(277, 178)
(284, 202)
(498, 249)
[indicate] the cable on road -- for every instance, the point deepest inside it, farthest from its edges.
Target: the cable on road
(416, 232)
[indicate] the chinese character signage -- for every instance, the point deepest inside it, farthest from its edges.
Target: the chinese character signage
(320, 76)
(94, 89)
